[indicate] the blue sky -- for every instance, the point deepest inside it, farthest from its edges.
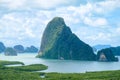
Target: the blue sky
(93, 21)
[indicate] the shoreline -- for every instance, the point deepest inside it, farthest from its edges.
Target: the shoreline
(26, 73)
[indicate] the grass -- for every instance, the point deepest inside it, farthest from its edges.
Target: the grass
(10, 74)
(26, 73)
(10, 62)
(33, 67)
(20, 72)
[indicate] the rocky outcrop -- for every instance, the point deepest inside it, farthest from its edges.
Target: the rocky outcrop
(58, 42)
(106, 55)
(19, 48)
(31, 49)
(10, 52)
(115, 50)
(2, 47)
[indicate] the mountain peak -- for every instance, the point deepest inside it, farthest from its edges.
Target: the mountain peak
(58, 42)
(60, 19)
(57, 22)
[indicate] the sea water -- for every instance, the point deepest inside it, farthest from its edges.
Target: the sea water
(63, 66)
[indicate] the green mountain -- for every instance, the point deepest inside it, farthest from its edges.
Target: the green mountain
(106, 55)
(9, 51)
(31, 49)
(19, 48)
(58, 42)
(115, 50)
(2, 47)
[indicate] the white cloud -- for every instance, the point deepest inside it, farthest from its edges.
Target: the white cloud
(16, 4)
(87, 13)
(107, 5)
(97, 22)
(29, 32)
(46, 4)
(22, 27)
(100, 37)
(84, 20)
(118, 30)
(41, 4)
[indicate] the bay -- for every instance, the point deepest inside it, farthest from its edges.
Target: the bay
(63, 66)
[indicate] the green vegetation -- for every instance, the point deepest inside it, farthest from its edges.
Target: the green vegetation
(2, 63)
(115, 50)
(106, 55)
(20, 72)
(58, 42)
(2, 47)
(9, 51)
(10, 74)
(33, 67)
(104, 75)
(28, 73)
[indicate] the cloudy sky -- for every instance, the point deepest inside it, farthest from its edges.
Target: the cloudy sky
(93, 21)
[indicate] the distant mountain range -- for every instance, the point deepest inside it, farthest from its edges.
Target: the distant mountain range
(18, 48)
(99, 47)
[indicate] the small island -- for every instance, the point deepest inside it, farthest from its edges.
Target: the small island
(2, 47)
(19, 48)
(106, 55)
(9, 51)
(31, 49)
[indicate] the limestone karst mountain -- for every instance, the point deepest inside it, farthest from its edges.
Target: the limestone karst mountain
(2, 47)
(106, 55)
(9, 51)
(58, 42)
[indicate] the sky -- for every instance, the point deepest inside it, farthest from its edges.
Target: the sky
(93, 21)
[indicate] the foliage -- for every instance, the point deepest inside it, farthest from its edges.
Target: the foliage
(9, 51)
(20, 72)
(33, 67)
(58, 42)
(31, 49)
(115, 50)
(108, 54)
(2, 47)
(19, 48)
(10, 62)
(15, 74)
(10, 74)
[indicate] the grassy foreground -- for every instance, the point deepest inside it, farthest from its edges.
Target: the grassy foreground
(26, 73)
(33, 67)
(2, 63)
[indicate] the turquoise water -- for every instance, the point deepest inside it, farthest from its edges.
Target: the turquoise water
(64, 66)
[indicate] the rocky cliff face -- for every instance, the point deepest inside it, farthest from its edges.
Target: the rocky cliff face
(106, 55)
(115, 50)
(58, 42)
